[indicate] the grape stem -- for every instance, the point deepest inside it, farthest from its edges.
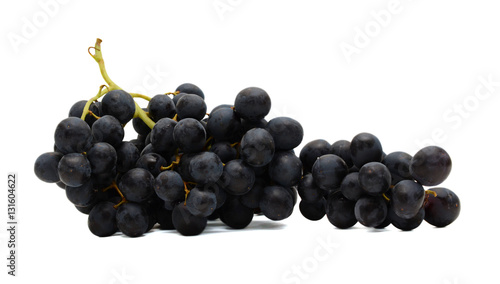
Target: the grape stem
(135, 95)
(115, 186)
(89, 102)
(98, 58)
(187, 192)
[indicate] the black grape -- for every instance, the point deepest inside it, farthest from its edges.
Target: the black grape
(374, 178)
(340, 211)
(443, 209)
(285, 169)
(102, 219)
(161, 106)
(328, 171)
(186, 223)
(351, 188)
(224, 150)
(398, 164)
(164, 218)
(72, 135)
(430, 166)
(237, 177)
(252, 198)
(312, 151)
(342, 148)
(83, 195)
(169, 186)
(370, 211)
(77, 110)
(224, 125)
(140, 126)
(189, 88)
(108, 129)
(152, 162)
(201, 203)
(407, 224)
(205, 168)
(191, 106)
(127, 155)
(407, 198)
(308, 190)
(46, 166)
(286, 132)
(235, 215)
(252, 103)
(313, 211)
(189, 134)
(276, 202)
(162, 135)
(74, 169)
(137, 185)
(257, 147)
(102, 157)
(119, 104)
(132, 219)
(365, 148)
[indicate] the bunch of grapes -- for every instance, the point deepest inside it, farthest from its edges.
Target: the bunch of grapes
(355, 181)
(185, 167)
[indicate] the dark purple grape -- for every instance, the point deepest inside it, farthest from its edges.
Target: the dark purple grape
(119, 104)
(407, 197)
(285, 169)
(102, 219)
(430, 166)
(252, 104)
(162, 135)
(374, 178)
(443, 209)
(189, 88)
(328, 171)
(365, 148)
(257, 147)
(286, 132)
(46, 166)
(312, 151)
(108, 129)
(237, 177)
(398, 164)
(186, 223)
(370, 211)
(189, 135)
(161, 106)
(137, 185)
(340, 211)
(224, 125)
(72, 135)
(102, 157)
(342, 148)
(276, 202)
(132, 219)
(191, 106)
(74, 169)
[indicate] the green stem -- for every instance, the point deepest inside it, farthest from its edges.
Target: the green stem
(89, 102)
(98, 58)
(135, 95)
(142, 115)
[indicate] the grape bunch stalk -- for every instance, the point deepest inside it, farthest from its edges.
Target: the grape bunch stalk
(184, 169)
(355, 181)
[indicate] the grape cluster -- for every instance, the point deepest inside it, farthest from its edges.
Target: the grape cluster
(187, 169)
(355, 181)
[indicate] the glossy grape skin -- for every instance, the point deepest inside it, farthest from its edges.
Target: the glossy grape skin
(161, 106)
(127, 155)
(249, 124)
(83, 195)
(365, 148)
(237, 177)
(74, 169)
(443, 209)
(46, 166)
(328, 171)
(286, 132)
(201, 203)
(370, 211)
(224, 125)
(224, 150)
(205, 168)
(76, 110)
(132, 219)
(137, 185)
(257, 147)
(102, 157)
(340, 211)
(407, 224)
(119, 104)
(374, 178)
(72, 135)
(169, 186)
(162, 135)
(252, 198)
(398, 164)
(235, 215)
(430, 166)
(186, 223)
(285, 169)
(308, 190)
(351, 188)
(190, 88)
(151, 162)
(313, 211)
(189, 135)
(342, 148)
(252, 103)
(407, 198)
(276, 202)
(102, 219)
(108, 129)
(312, 151)
(191, 106)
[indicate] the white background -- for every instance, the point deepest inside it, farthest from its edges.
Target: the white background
(411, 76)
